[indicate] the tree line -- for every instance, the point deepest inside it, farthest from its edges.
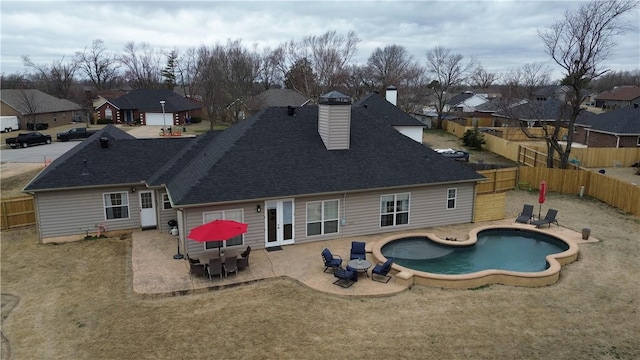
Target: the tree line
(224, 75)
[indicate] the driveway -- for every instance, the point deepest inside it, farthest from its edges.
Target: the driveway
(36, 154)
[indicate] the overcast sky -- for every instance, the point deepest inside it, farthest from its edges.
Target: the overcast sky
(501, 35)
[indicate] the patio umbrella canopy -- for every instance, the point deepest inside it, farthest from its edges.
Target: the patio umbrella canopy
(217, 230)
(542, 196)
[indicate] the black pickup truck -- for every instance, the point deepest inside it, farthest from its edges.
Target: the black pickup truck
(75, 133)
(26, 139)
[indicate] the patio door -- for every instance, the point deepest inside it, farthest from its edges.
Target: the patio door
(147, 210)
(280, 222)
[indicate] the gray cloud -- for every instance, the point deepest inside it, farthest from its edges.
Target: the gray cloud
(501, 35)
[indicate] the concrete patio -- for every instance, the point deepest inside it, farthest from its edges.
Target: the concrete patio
(157, 274)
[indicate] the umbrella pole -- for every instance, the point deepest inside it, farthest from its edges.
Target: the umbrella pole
(539, 211)
(178, 256)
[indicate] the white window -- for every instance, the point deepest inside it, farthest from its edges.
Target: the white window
(116, 205)
(322, 217)
(108, 114)
(166, 204)
(638, 143)
(236, 215)
(394, 209)
(451, 198)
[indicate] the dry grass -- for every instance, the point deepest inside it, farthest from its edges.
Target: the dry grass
(76, 302)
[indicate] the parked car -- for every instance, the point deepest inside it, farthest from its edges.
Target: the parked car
(26, 139)
(458, 155)
(75, 133)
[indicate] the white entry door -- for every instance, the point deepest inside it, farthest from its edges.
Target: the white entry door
(280, 222)
(147, 210)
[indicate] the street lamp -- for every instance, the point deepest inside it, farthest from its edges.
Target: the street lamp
(164, 122)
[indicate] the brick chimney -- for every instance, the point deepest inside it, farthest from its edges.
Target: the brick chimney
(334, 120)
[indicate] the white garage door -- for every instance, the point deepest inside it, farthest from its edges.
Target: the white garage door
(156, 119)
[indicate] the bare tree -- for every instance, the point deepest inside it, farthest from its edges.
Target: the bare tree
(98, 65)
(210, 62)
(449, 73)
(579, 43)
(240, 70)
(58, 78)
(359, 81)
(521, 83)
(392, 65)
(143, 69)
(616, 78)
(269, 76)
(329, 54)
(189, 72)
(483, 79)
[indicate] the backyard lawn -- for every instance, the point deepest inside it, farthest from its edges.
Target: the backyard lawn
(75, 301)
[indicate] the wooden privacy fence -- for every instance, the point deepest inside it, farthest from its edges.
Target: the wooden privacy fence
(498, 180)
(17, 212)
(618, 193)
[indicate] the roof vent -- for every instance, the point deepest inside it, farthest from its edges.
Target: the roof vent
(635, 106)
(85, 169)
(104, 142)
(291, 110)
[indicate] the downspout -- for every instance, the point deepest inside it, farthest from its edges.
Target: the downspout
(617, 141)
(343, 218)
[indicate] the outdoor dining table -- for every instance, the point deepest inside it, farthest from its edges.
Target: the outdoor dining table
(359, 265)
(204, 258)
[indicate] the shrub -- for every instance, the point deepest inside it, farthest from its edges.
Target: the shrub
(104, 121)
(473, 139)
(196, 119)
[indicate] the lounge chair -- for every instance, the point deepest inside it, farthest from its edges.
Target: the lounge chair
(330, 260)
(358, 250)
(243, 260)
(549, 218)
(525, 216)
(230, 265)
(345, 277)
(215, 267)
(382, 270)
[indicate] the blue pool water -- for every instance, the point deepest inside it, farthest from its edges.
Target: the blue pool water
(503, 249)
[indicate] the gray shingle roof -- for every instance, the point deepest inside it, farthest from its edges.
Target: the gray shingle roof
(379, 108)
(127, 160)
(622, 121)
(269, 155)
(25, 101)
(276, 155)
(148, 100)
(278, 97)
(547, 110)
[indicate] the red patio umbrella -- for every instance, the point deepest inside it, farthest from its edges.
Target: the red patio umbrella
(542, 196)
(217, 230)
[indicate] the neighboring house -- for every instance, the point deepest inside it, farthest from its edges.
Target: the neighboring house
(614, 129)
(278, 97)
(32, 105)
(294, 175)
(488, 109)
(618, 97)
(464, 102)
(532, 113)
(557, 92)
(378, 108)
(104, 96)
(143, 106)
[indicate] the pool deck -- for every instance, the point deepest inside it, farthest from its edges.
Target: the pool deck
(157, 274)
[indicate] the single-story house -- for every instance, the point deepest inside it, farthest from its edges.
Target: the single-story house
(464, 102)
(294, 175)
(618, 97)
(532, 113)
(614, 129)
(31, 105)
(278, 97)
(149, 107)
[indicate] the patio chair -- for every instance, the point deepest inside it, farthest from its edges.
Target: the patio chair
(330, 260)
(549, 218)
(230, 265)
(381, 270)
(358, 251)
(345, 277)
(215, 267)
(525, 216)
(243, 260)
(196, 270)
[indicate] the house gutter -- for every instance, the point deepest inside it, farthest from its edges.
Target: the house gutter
(218, 203)
(141, 183)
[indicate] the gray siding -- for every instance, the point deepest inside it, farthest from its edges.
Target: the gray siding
(360, 211)
(63, 213)
(334, 126)
(164, 215)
